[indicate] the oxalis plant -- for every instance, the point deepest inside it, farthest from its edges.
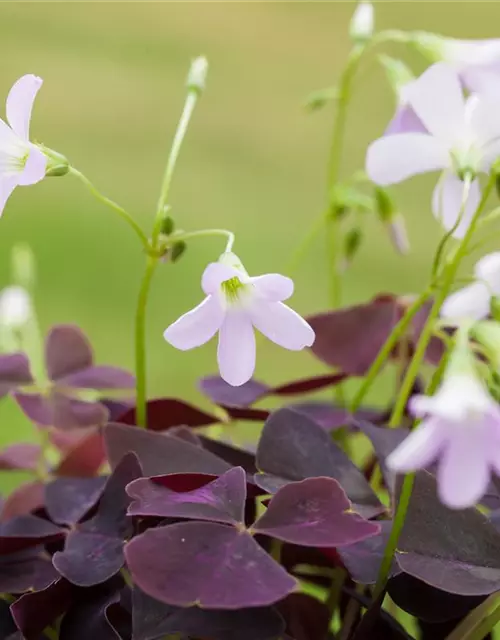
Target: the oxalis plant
(148, 519)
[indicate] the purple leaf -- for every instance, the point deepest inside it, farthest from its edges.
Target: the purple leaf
(8, 629)
(330, 417)
(436, 347)
(23, 500)
(293, 447)
(94, 551)
(164, 413)
(314, 513)
(455, 551)
(100, 377)
(87, 618)
(19, 456)
(351, 338)
(222, 500)
(306, 618)
(14, 372)
(153, 619)
(61, 411)
(213, 565)
(84, 457)
(376, 623)
(67, 351)
(187, 434)
(35, 611)
(232, 454)
(362, 559)
(384, 441)
(22, 532)
(35, 407)
(67, 500)
(26, 570)
(428, 603)
(159, 453)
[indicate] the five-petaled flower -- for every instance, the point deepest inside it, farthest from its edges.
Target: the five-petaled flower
(21, 162)
(460, 430)
(463, 139)
(474, 300)
(235, 303)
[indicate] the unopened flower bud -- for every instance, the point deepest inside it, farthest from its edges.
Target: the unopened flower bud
(15, 307)
(352, 243)
(167, 225)
(392, 220)
(177, 250)
(197, 75)
(57, 164)
(362, 22)
(318, 99)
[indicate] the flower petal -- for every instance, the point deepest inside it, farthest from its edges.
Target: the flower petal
(7, 186)
(34, 169)
(487, 269)
(438, 101)
(215, 274)
(464, 473)
(236, 351)
(405, 120)
(20, 103)
(395, 158)
(482, 79)
(447, 203)
(273, 286)
(282, 325)
(472, 301)
(420, 448)
(197, 326)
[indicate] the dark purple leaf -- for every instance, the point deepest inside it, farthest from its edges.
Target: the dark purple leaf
(94, 551)
(14, 372)
(89, 558)
(293, 447)
(351, 338)
(440, 630)
(330, 417)
(187, 434)
(222, 500)
(87, 617)
(22, 532)
(306, 385)
(67, 351)
(314, 513)
(306, 618)
(61, 411)
(23, 500)
(362, 559)
(35, 407)
(297, 560)
(99, 377)
(35, 611)
(213, 565)
(8, 627)
(376, 624)
(84, 457)
(67, 500)
(159, 453)
(428, 603)
(455, 551)
(19, 456)
(384, 441)
(153, 620)
(232, 454)
(164, 413)
(26, 570)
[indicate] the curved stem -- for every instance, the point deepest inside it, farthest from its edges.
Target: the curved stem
(180, 133)
(384, 353)
(140, 342)
(125, 215)
(411, 375)
(177, 237)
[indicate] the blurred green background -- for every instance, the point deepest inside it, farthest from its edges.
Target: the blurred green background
(254, 160)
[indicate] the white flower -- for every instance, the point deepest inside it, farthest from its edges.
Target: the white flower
(235, 303)
(15, 307)
(362, 22)
(461, 431)
(21, 162)
(463, 138)
(474, 300)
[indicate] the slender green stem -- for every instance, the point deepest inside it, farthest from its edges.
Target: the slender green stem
(125, 215)
(474, 619)
(177, 237)
(486, 626)
(384, 353)
(411, 375)
(140, 342)
(182, 127)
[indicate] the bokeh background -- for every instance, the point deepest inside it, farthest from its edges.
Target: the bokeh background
(254, 160)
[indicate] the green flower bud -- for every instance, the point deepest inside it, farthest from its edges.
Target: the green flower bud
(57, 164)
(487, 333)
(177, 250)
(167, 226)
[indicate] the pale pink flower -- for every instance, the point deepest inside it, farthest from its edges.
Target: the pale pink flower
(463, 138)
(474, 300)
(461, 431)
(235, 304)
(21, 162)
